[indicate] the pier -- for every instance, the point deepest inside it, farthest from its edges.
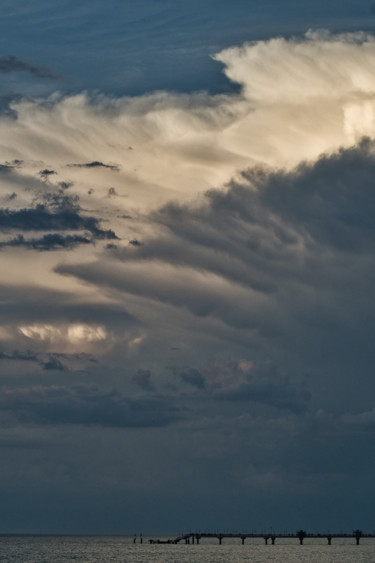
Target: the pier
(300, 535)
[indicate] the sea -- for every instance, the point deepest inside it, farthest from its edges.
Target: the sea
(100, 549)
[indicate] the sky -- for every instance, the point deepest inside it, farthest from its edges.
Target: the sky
(187, 266)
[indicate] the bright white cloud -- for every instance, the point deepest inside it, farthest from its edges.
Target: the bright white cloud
(299, 98)
(75, 334)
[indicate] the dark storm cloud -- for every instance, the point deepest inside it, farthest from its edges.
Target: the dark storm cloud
(11, 64)
(55, 212)
(143, 379)
(23, 304)
(274, 219)
(244, 381)
(96, 164)
(84, 405)
(53, 363)
(48, 242)
(10, 166)
(4, 168)
(272, 230)
(282, 260)
(47, 362)
(26, 355)
(194, 377)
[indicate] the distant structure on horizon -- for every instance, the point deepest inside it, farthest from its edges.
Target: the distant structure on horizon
(195, 537)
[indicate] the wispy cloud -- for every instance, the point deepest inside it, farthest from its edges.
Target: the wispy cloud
(96, 164)
(12, 63)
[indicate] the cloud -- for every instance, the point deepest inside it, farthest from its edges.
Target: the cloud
(10, 166)
(143, 379)
(12, 63)
(53, 363)
(135, 242)
(84, 405)
(112, 192)
(244, 380)
(47, 242)
(54, 212)
(44, 307)
(277, 265)
(65, 185)
(96, 164)
(239, 298)
(26, 355)
(195, 378)
(4, 168)
(186, 144)
(48, 362)
(45, 174)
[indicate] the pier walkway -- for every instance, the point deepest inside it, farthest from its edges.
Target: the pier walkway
(195, 537)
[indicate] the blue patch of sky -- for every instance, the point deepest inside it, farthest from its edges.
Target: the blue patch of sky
(131, 47)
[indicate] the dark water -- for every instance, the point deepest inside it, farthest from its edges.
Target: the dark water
(95, 549)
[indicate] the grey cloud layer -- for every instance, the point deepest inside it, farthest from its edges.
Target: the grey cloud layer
(284, 259)
(84, 405)
(270, 231)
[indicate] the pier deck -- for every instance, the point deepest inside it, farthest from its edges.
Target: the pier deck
(195, 537)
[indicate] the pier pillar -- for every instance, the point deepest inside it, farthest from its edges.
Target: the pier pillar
(220, 539)
(243, 539)
(273, 538)
(192, 539)
(357, 534)
(329, 538)
(266, 538)
(301, 534)
(197, 538)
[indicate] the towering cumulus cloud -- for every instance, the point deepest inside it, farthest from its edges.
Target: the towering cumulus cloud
(198, 269)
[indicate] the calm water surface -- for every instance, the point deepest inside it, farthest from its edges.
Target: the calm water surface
(99, 549)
